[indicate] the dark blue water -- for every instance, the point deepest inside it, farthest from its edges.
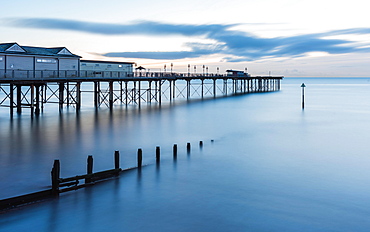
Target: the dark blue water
(271, 167)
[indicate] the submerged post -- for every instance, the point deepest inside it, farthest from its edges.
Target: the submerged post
(116, 159)
(158, 154)
(201, 144)
(139, 157)
(175, 151)
(89, 168)
(55, 174)
(303, 86)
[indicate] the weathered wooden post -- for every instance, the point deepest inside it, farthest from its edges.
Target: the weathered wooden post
(139, 157)
(158, 154)
(55, 175)
(201, 144)
(89, 168)
(116, 161)
(175, 151)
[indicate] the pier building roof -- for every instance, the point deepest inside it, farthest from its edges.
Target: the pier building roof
(15, 48)
(107, 62)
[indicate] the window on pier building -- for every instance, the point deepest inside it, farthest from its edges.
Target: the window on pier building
(48, 61)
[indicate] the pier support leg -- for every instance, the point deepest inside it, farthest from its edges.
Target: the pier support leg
(68, 93)
(78, 96)
(174, 89)
(96, 94)
(19, 98)
(187, 89)
(150, 92)
(214, 88)
(126, 93)
(61, 94)
(202, 88)
(37, 110)
(11, 97)
(160, 92)
(111, 95)
(139, 94)
(32, 100)
(170, 82)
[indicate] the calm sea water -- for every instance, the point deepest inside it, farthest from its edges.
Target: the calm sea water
(271, 167)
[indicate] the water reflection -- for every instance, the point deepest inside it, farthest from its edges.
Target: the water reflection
(272, 168)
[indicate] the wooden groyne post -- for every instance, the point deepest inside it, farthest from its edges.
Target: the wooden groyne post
(90, 162)
(175, 151)
(55, 176)
(139, 157)
(188, 147)
(158, 154)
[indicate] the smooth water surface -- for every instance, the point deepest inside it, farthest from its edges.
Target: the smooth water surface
(272, 166)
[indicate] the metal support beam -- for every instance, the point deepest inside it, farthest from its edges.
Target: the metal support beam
(61, 94)
(37, 110)
(11, 98)
(19, 98)
(78, 96)
(214, 87)
(111, 94)
(96, 94)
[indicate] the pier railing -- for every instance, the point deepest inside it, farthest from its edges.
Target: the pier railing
(12, 74)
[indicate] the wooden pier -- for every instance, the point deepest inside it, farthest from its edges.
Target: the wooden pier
(22, 89)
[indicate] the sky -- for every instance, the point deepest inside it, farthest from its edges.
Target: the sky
(294, 38)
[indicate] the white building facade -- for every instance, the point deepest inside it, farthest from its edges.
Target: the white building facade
(96, 68)
(34, 62)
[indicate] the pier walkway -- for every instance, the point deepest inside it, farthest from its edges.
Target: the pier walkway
(33, 89)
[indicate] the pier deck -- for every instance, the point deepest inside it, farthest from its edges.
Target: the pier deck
(27, 89)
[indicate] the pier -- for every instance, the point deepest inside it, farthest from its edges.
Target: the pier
(34, 89)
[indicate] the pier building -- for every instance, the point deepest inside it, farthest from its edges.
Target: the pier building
(37, 62)
(97, 68)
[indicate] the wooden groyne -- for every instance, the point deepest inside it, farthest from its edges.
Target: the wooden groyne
(61, 185)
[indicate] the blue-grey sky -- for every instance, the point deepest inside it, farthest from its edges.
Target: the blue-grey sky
(291, 38)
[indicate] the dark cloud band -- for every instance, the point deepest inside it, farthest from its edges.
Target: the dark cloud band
(229, 43)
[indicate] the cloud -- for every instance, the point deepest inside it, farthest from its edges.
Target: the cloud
(136, 28)
(233, 45)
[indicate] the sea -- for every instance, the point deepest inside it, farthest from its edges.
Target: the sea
(266, 164)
